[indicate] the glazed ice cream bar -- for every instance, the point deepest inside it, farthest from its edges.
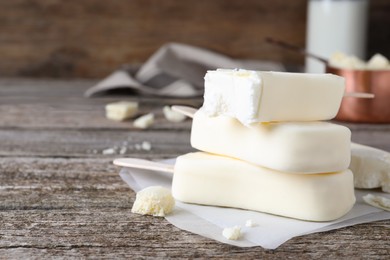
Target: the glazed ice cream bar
(256, 96)
(214, 180)
(297, 147)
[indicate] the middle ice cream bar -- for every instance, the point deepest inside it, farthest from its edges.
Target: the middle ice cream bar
(294, 147)
(207, 179)
(258, 96)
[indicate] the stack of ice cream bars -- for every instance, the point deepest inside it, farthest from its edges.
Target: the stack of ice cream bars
(266, 146)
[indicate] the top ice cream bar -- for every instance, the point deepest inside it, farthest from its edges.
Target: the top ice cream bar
(257, 96)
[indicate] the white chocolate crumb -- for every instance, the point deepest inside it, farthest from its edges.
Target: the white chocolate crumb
(146, 146)
(138, 147)
(250, 223)
(232, 233)
(144, 121)
(123, 150)
(109, 151)
(154, 200)
(342, 60)
(378, 62)
(172, 115)
(121, 110)
(377, 201)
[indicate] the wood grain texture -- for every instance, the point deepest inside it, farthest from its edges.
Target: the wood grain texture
(63, 38)
(59, 199)
(81, 208)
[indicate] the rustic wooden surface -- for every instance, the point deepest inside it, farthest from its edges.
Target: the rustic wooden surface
(62, 38)
(61, 197)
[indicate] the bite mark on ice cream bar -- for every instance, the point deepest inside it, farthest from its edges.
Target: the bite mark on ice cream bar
(154, 200)
(259, 96)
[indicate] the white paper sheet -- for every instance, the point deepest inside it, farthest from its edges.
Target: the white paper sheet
(270, 231)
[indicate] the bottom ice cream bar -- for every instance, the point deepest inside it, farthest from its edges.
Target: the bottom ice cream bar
(202, 178)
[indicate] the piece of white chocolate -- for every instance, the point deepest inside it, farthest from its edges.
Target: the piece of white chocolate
(378, 62)
(121, 110)
(213, 180)
(371, 167)
(250, 223)
(343, 61)
(257, 96)
(377, 201)
(172, 115)
(144, 121)
(301, 147)
(154, 200)
(232, 233)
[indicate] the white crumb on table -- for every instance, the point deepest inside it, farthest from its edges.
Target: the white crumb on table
(123, 150)
(147, 146)
(109, 151)
(172, 115)
(144, 121)
(121, 110)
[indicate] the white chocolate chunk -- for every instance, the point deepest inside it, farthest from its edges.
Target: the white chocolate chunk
(377, 201)
(341, 60)
(144, 121)
(232, 233)
(123, 150)
(109, 151)
(256, 96)
(371, 167)
(378, 62)
(302, 147)
(213, 180)
(172, 115)
(147, 146)
(250, 223)
(154, 200)
(121, 110)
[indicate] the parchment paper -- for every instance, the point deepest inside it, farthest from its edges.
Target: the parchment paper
(270, 231)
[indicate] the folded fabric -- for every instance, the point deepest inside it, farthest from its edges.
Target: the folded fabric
(175, 70)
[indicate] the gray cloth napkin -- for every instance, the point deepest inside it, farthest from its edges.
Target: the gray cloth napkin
(175, 70)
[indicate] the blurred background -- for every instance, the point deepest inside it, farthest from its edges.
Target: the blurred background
(91, 38)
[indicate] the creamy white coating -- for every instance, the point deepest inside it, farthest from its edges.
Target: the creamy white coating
(257, 96)
(300, 147)
(207, 179)
(216, 180)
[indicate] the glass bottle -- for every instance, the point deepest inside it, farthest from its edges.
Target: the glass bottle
(335, 25)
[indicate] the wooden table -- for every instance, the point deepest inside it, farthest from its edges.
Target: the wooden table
(61, 197)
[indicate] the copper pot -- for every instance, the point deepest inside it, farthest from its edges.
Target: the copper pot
(363, 110)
